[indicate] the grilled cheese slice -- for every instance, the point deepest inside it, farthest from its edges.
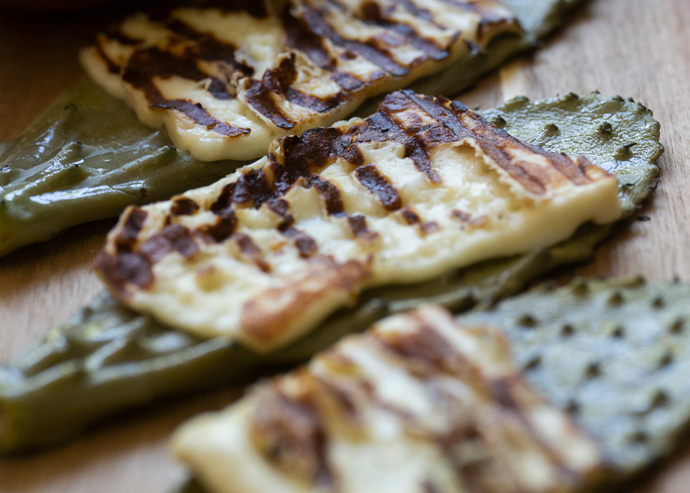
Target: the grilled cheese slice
(418, 404)
(422, 187)
(227, 81)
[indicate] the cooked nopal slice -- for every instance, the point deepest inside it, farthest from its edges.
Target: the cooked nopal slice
(418, 404)
(225, 81)
(421, 187)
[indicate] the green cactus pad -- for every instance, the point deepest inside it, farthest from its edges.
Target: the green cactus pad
(109, 358)
(87, 156)
(614, 353)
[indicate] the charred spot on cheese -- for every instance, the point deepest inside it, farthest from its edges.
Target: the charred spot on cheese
(133, 222)
(126, 270)
(353, 201)
(420, 389)
(182, 206)
(379, 185)
(223, 227)
(145, 65)
(305, 244)
(291, 434)
(216, 74)
(358, 225)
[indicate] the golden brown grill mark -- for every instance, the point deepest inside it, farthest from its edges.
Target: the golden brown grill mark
(372, 179)
(488, 18)
(428, 228)
(263, 318)
(461, 216)
(425, 351)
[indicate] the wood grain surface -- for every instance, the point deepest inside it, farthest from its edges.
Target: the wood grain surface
(635, 48)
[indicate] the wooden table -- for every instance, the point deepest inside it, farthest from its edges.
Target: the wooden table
(637, 48)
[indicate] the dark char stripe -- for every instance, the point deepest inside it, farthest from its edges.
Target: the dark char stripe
(410, 216)
(136, 267)
(319, 26)
(382, 127)
(278, 81)
(301, 38)
(282, 208)
(224, 227)
(184, 206)
(127, 236)
(306, 245)
(329, 193)
(144, 65)
(259, 97)
(359, 227)
(251, 250)
(373, 15)
(375, 182)
(291, 434)
(494, 142)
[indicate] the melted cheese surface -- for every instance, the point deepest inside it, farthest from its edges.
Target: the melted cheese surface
(227, 81)
(417, 404)
(422, 187)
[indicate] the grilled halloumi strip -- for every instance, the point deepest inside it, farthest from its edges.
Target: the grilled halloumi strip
(227, 81)
(421, 187)
(419, 404)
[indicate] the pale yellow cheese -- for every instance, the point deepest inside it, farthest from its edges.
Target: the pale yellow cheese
(261, 43)
(268, 295)
(444, 408)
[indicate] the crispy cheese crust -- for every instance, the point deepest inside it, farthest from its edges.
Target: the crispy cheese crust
(228, 78)
(419, 404)
(421, 187)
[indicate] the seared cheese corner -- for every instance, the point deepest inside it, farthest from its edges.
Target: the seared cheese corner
(418, 404)
(422, 187)
(227, 79)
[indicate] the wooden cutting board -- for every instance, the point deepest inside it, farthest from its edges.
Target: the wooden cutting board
(635, 48)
